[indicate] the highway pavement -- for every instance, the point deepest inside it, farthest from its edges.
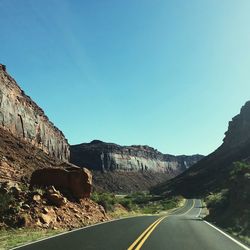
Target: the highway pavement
(180, 230)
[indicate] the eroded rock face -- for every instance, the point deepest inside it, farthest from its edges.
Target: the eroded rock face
(77, 180)
(104, 157)
(238, 129)
(24, 119)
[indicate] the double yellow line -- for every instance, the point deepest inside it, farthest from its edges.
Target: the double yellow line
(137, 244)
(143, 237)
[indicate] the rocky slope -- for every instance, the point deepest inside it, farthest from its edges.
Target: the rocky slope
(24, 119)
(128, 168)
(45, 208)
(213, 171)
(31, 146)
(21, 206)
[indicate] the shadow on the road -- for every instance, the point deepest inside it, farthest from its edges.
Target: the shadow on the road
(193, 219)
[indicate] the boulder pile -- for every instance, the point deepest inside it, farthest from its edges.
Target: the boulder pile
(45, 208)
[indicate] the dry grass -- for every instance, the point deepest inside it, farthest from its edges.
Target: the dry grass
(17, 237)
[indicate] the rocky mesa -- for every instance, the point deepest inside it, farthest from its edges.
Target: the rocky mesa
(136, 166)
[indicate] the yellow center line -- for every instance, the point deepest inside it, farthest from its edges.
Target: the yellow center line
(148, 234)
(142, 235)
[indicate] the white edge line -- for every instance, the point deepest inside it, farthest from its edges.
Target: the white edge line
(77, 229)
(228, 236)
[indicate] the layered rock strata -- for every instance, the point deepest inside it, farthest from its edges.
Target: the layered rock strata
(22, 117)
(106, 157)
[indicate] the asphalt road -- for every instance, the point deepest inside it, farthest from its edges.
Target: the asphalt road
(183, 229)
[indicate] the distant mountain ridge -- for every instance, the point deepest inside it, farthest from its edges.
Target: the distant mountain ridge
(137, 160)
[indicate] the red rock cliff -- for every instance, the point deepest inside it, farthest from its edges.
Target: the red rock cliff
(26, 120)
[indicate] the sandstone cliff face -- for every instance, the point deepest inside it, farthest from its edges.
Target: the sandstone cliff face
(23, 118)
(105, 157)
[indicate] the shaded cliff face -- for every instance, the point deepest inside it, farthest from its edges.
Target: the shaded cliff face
(128, 168)
(23, 118)
(104, 157)
(213, 171)
(239, 129)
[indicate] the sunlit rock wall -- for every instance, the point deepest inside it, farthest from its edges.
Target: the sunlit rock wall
(27, 121)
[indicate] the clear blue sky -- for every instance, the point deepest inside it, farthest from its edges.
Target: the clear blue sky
(169, 74)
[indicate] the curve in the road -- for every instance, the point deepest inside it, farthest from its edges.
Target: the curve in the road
(138, 243)
(182, 229)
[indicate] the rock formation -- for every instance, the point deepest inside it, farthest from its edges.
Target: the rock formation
(238, 129)
(105, 157)
(76, 180)
(128, 168)
(44, 209)
(30, 143)
(23, 118)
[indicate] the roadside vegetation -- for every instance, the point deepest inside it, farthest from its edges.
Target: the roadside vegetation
(229, 207)
(16, 237)
(135, 203)
(115, 205)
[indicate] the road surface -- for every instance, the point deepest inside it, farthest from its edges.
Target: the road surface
(183, 229)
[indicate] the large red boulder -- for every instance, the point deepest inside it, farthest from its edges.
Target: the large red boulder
(76, 180)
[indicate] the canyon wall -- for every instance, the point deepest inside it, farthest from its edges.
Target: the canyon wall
(23, 118)
(105, 157)
(123, 169)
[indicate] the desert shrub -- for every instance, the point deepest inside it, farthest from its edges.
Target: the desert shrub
(217, 200)
(239, 168)
(139, 198)
(24, 187)
(6, 200)
(106, 200)
(138, 202)
(39, 190)
(170, 203)
(95, 196)
(127, 203)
